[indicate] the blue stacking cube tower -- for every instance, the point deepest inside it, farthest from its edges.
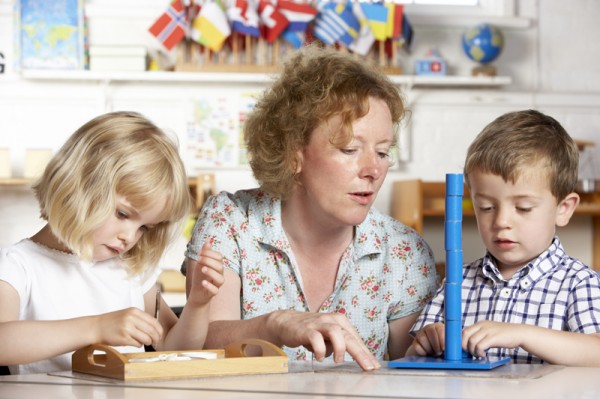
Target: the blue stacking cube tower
(454, 357)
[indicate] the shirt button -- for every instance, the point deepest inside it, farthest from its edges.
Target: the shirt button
(505, 292)
(525, 283)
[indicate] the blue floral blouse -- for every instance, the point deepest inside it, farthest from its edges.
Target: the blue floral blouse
(386, 273)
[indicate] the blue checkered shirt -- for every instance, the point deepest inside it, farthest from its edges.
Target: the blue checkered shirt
(552, 291)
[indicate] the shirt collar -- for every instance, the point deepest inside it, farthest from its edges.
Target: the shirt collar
(265, 211)
(533, 271)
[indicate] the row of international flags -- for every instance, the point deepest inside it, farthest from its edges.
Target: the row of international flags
(354, 24)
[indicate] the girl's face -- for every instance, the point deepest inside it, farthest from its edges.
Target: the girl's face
(339, 185)
(125, 227)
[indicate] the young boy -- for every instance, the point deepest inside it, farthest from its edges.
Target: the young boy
(526, 298)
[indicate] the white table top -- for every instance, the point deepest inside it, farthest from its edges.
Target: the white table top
(507, 382)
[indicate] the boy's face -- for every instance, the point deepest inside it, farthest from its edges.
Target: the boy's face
(516, 221)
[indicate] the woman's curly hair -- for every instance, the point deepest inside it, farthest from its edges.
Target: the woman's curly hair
(317, 83)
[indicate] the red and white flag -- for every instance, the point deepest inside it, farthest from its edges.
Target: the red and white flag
(274, 22)
(172, 25)
(299, 14)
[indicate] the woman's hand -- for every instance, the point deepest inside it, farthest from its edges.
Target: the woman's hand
(205, 276)
(323, 334)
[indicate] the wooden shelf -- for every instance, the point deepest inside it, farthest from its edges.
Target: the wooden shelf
(260, 78)
(415, 200)
(15, 181)
(196, 184)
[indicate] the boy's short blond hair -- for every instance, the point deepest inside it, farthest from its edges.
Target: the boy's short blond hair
(517, 141)
(118, 153)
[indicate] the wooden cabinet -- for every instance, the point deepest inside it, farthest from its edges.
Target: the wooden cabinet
(415, 200)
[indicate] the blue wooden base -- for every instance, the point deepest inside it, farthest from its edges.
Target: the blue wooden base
(426, 362)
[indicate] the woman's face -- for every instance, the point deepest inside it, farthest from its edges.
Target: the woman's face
(339, 185)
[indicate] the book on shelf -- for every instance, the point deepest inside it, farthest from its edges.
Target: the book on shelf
(50, 34)
(118, 58)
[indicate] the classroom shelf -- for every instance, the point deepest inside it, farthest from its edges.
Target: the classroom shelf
(195, 185)
(261, 78)
(15, 181)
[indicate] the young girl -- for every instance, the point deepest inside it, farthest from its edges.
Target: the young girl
(113, 198)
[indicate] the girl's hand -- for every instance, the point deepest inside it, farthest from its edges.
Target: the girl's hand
(205, 276)
(128, 327)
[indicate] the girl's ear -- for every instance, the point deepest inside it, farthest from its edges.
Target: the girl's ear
(565, 210)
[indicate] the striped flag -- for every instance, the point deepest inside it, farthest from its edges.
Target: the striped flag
(407, 32)
(296, 39)
(377, 16)
(352, 24)
(244, 17)
(298, 14)
(171, 27)
(365, 39)
(211, 27)
(394, 20)
(336, 22)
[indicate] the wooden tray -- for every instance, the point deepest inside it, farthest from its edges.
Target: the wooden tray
(105, 361)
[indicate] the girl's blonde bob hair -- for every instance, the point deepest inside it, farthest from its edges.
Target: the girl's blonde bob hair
(115, 154)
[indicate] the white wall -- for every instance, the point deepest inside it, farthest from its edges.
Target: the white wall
(553, 65)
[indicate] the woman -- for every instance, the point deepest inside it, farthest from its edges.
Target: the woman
(309, 264)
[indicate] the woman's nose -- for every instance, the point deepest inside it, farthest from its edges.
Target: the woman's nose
(371, 165)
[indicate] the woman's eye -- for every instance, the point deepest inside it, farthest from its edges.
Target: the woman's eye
(347, 151)
(383, 155)
(121, 215)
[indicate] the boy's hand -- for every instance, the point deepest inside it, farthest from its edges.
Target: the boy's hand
(206, 276)
(430, 341)
(485, 334)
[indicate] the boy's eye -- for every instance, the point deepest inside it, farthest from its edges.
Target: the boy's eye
(522, 209)
(121, 214)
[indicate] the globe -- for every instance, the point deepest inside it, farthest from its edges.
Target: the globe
(483, 43)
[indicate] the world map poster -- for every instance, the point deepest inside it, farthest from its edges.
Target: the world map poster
(215, 131)
(51, 34)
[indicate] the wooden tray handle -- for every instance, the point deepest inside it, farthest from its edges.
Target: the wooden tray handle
(252, 348)
(84, 358)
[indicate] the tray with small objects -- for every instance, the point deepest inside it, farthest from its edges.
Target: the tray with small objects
(250, 356)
